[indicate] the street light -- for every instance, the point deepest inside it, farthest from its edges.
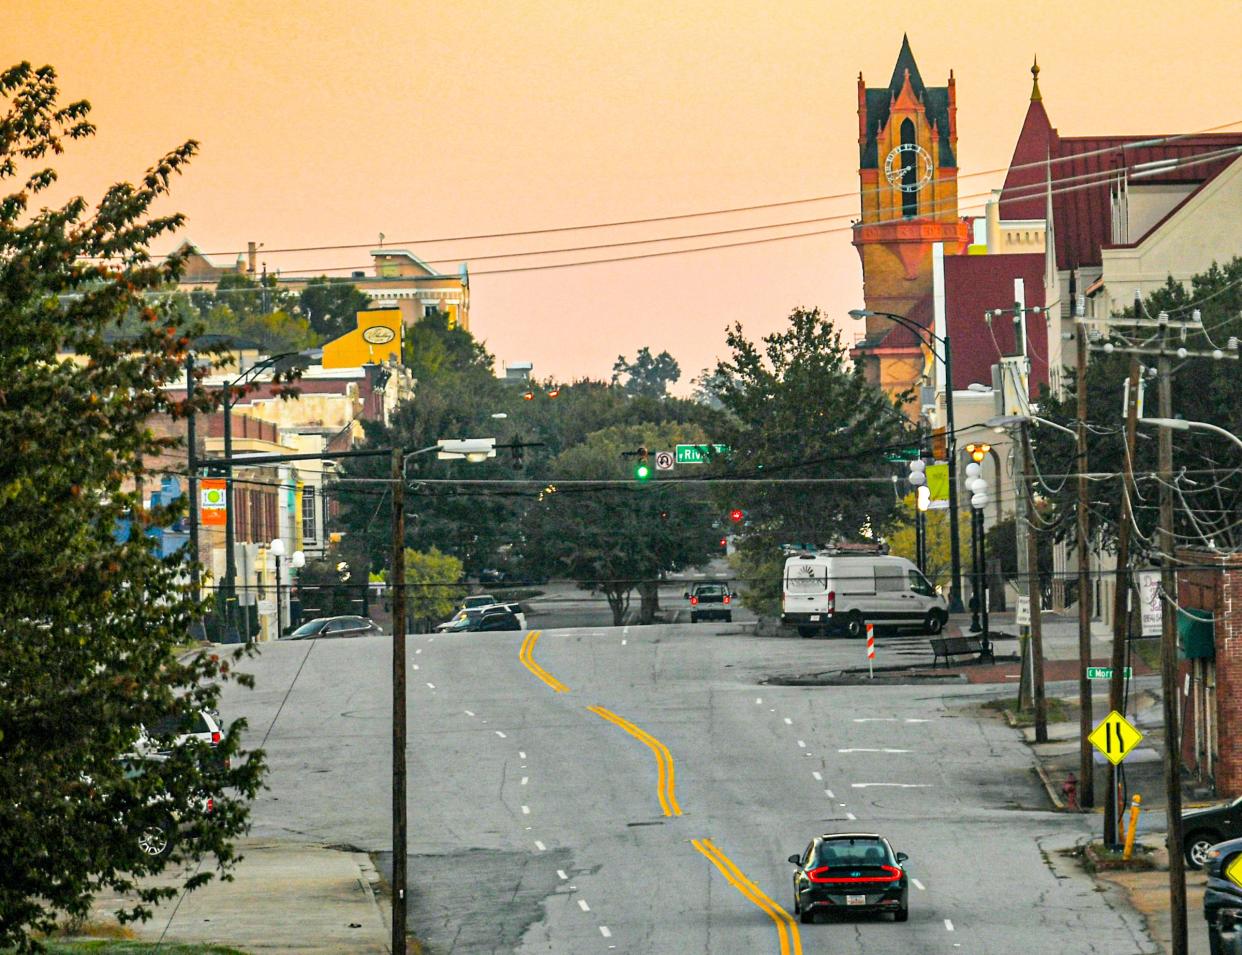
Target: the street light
(978, 501)
(1181, 424)
(946, 358)
(277, 549)
(296, 562)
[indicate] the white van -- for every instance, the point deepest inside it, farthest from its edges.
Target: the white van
(824, 592)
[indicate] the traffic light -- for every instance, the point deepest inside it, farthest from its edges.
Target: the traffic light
(724, 542)
(737, 515)
(978, 452)
(642, 470)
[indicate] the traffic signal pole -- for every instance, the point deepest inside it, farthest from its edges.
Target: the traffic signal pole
(397, 583)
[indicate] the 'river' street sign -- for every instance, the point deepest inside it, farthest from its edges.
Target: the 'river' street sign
(697, 453)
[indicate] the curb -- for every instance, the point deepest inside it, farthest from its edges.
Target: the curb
(1048, 787)
(369, 883)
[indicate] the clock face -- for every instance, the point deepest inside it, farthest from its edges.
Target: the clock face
(899, 162)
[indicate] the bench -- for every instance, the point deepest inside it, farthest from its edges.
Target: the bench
(958, 646)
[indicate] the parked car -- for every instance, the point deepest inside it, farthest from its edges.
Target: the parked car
(346, 626)
(490, 575)
(845, 592)
(472, 619)
(1203, 828)
(477, 600)
(710, 602)
(157, 829)
(496, 619)
(1222, 899)
(850, 872)
(176, 730)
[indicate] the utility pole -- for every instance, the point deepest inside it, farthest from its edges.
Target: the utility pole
(397, 585)
(197, 630)
(1036, 643)
(1168, 583)
(1086, 718)
(1168, 655)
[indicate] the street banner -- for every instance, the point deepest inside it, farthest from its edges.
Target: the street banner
(937, 487)
(1148, 583)
(211, 502)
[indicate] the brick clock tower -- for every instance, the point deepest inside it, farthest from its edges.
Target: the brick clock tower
(907, 146)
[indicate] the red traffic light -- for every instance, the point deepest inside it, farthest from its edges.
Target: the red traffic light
(736, 515)
(724, 542)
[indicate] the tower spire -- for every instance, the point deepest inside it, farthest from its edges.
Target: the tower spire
(1036, 96)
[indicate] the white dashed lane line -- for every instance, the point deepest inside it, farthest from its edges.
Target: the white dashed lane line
(521, 754)
(468, 712)
(415, 665)
(830, 794)
(431, 686)
(525, 780)
(788, 721)
(501, 735)
(891, 785)
(919, 885)
(817, 775)
(526, 810)
(603, 930)
(802, 744)
(851, 817)
(859, 749)
(560, 873)
(583, 905)
(948, 924)
(540, 846)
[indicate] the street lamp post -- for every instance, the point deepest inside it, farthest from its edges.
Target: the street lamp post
(978, 488)
(277, 548)
(946, 358)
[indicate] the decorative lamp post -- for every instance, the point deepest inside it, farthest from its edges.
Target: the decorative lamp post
(296, 562)
(978, 488)
(277, 550)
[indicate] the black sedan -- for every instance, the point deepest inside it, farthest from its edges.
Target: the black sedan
(1203, 828)
(850, 872)
(1222, 900)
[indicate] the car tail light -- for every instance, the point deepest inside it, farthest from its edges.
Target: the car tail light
(822, 875)
(694, 601)
(727, 598)
(211, 805)
(215, 738)
(832, 601)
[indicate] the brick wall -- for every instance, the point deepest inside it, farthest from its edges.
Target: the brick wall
(1229, 677)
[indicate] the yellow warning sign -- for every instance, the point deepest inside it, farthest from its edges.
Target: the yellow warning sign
(1233, 871)
(1115, 737)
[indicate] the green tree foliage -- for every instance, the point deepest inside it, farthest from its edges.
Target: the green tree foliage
(795, 409)
(434, 349)
(901, 541)
(331, 306)
(647, 375)
(433, 590)
(615, 539)
(88, 621)
(1209, 489)
(760, 573)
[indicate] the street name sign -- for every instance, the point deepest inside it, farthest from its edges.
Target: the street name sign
(903, 454)
(664, 460)
(1115, 737)
(697, 453)
(1105, 673)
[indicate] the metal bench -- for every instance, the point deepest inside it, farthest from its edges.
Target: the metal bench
(958, 646)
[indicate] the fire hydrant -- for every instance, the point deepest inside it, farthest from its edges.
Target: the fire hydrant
(1069, 789)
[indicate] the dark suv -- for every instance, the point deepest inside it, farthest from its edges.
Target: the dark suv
(710, 602)
(1203, 828)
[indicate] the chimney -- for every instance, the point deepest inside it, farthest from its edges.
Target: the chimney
(252, 254)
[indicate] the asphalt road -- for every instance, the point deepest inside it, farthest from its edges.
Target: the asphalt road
(639, 789)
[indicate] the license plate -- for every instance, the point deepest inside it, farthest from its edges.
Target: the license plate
(815, 617)
(855, 900)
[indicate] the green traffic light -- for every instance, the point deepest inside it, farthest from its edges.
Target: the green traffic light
(642, 472)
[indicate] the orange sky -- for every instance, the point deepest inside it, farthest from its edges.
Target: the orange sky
(327, 123)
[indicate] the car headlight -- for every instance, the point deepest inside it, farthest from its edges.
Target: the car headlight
(1213, 853)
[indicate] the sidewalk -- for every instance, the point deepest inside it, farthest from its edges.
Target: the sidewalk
(283, 898)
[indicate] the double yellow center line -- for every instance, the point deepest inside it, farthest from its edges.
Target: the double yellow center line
(527, 656)
(664, 759)
(786, 927)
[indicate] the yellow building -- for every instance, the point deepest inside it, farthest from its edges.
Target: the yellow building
(377, 339)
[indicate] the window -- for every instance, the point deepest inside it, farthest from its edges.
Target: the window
(909, 200)
(854, 852)
(308, 515)
(806, 578)
(920, 585)
(889, 579)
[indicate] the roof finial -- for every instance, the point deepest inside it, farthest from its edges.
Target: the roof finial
(1036, 96)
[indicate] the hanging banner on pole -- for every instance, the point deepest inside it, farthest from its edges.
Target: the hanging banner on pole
(937, 487)
(211, 502)
(1148, 583)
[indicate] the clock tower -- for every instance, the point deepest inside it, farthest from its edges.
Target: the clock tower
(907, 146)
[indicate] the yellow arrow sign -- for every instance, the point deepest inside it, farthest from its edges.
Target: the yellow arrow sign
(1115, 737)
(1233, 871)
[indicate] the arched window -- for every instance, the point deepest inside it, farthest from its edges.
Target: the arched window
(910, 176)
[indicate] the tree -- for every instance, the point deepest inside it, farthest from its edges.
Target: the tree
(793, 409)
(89, 616)
(331, 306)
(433, 347)
(901, 541)
(614, 539)
(434, 590)
(1209, 489)
(647, 375)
